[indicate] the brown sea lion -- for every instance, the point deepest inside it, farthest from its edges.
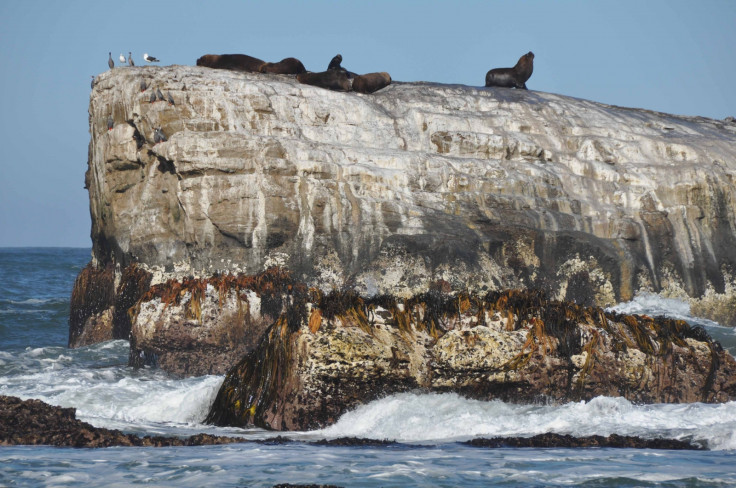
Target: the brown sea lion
(512, 77)
(236, 62)
(371, 82)
(332, 79)
(287, 66)
(335, 62)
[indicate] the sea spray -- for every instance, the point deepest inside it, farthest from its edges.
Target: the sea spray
(446, 417)
(655, 305)
(98, 383)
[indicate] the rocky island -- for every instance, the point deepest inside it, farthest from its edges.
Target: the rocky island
(327, 248)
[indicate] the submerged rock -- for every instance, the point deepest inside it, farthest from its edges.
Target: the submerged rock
(331, 353)
(559, 440)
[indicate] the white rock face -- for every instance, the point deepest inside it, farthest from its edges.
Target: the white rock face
(484, 188)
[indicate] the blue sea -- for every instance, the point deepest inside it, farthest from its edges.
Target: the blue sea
(35, 286)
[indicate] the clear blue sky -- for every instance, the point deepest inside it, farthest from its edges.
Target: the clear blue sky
(670, 56)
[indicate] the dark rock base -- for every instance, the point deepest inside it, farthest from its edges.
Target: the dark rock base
(559, 440)
(33, 422)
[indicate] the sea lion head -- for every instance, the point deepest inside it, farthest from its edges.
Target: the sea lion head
(524, 67)
(335, 62)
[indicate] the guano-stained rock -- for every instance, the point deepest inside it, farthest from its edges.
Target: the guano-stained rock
(483, 188)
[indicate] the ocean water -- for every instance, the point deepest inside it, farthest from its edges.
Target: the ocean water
(35, 285)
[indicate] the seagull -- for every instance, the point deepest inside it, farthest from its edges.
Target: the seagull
(110, 62)
(130, 60)
(150, 59)
(171, 99)
(160, 95)
(122, 58)
(110, 123)
(143, 86)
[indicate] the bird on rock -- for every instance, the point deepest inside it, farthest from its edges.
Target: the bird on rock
(92, 83)
(158, 135)
(110, 62)
(110, 122)
(130, 60)
(153, 97)
(159, 95)
(150, 59)
(121, 58)
(143, 86)
(170, 98)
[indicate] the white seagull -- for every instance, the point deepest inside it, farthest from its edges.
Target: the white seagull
(122, 58)
(150, 59)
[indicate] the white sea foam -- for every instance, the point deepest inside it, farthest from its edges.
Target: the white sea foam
(651, 304)
(655, 305)
(96, 381)
(35, 301)
(410, 417)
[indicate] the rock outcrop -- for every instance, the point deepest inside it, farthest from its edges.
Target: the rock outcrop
(326, 356)
(33, 422)
(485, 189)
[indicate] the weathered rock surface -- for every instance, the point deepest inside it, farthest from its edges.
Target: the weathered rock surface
(386, 193)
(324, 357)
(204, 326)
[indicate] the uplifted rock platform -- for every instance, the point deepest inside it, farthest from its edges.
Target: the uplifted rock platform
(481, 188)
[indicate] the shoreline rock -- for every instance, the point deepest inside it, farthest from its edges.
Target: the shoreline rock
(33, 422)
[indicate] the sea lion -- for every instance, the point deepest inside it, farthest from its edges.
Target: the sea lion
(287, 66)
(512, 77)
(235, 62)
(371, 82)
(335, 62)
(332, 79)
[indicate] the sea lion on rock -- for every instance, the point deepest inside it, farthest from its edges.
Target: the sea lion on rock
(512, 77)
(335, 62)
(235, 62)
(332, 79)
(371, 82)
(287, 66)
